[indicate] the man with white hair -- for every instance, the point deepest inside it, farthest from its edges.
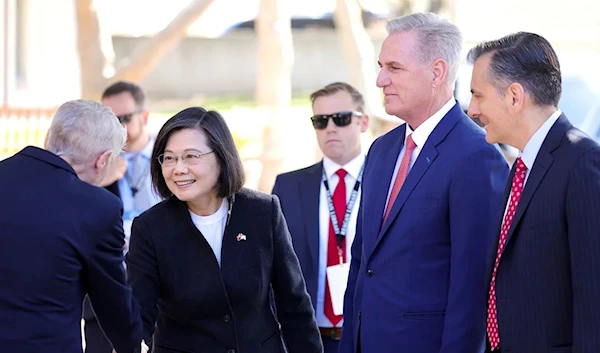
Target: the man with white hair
(430, 189)
(62, 238)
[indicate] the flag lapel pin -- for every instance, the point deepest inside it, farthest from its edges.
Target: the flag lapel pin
(241, 237)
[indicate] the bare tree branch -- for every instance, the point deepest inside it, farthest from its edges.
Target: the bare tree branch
(96, 56)
(273, 81)
(147, 56)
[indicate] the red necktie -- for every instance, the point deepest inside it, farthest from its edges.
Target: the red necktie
(333, 255)
(402, 173)
(516, 191)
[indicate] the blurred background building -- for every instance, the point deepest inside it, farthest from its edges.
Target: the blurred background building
(214, 53)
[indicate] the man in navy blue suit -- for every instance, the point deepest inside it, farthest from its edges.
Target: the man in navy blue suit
(62, 238)
(305, 196)
(429, 191)
(544, 265)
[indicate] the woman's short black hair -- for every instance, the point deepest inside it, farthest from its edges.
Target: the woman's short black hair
(220, 140)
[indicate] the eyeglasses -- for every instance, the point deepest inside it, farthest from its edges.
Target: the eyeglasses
(124, 119)
(189, 158)
(339, 119)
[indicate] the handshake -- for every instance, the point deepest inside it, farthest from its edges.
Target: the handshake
(143, 348)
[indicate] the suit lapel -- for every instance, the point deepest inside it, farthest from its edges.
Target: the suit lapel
(382, 169)
(426, 158)
(191, 234)
(309, 192)
(541, 165)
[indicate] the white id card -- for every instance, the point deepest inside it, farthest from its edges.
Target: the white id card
(337, 278)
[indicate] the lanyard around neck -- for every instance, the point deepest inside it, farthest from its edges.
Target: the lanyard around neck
(340, 233)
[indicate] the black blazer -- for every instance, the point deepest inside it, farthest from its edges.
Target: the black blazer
(548, 280)
(88, 312)
(199, 307)
(60, 238)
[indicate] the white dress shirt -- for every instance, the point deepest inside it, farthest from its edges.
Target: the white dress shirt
(212, 227)
(532, 148)
(420, 136)
(353, 168)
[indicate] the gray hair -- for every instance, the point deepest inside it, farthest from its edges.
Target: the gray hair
(82, 129)
(437, 38)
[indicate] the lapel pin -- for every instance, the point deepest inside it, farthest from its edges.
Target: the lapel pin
(428, 160)
(241, 237)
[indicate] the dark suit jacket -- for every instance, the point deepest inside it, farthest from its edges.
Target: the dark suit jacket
(299, 194)
(88, 312)
(199, 307)
(61, 238)
(417, 283)
(548, 279)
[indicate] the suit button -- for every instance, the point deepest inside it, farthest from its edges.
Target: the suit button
(359, 315)
(226, 318)
(369, 273)
(231, 351)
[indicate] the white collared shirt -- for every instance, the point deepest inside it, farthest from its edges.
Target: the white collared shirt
(330, 167)
(420, 136)
(532, 148)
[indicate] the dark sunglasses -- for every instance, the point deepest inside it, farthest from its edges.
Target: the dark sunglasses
(340, 119)
(124, 119)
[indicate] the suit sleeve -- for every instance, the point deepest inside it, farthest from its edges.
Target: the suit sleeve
(276, 187)
(583, 219)
(292, 301)
(475, 193)
(348, 343)
(142, 274)
(115, 307)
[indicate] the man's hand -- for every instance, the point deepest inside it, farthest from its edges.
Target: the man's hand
(115, 170)
(143, 349)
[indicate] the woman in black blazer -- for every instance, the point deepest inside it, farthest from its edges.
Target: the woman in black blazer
(204, 262)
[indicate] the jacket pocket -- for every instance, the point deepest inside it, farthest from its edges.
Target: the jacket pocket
(271, 336)
(163, 349)
(562, 349)
(424, 315)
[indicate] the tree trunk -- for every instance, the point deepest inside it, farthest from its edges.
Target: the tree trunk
(273, 82)
(96, 55)
(359, 54)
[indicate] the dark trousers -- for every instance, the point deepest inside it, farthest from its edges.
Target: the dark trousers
(330, 345)
(95, 341)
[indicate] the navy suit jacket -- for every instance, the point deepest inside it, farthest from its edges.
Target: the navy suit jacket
(190, 304)
(417, 282)
(548, 279)
(299, 194)
(61, 239)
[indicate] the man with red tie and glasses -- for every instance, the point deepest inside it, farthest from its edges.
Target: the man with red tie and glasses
(320, 203)
(543, 273)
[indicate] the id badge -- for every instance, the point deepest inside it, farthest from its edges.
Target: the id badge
(337, 278)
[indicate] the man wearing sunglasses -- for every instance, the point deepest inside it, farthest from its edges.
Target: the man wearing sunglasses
(128, 177)
(320, 203)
